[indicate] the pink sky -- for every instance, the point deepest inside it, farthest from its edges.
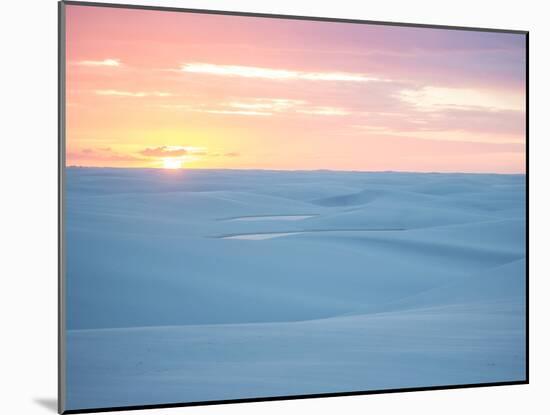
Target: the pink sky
(156, 88)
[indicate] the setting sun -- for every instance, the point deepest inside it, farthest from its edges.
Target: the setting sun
(172, 163)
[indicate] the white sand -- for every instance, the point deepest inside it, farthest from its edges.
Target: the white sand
(163, 308)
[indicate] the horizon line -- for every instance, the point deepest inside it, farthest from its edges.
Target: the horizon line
(290, 170)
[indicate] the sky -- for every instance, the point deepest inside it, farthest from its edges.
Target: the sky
(184, 90)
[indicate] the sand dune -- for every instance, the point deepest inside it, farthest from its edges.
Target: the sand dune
(199, 285)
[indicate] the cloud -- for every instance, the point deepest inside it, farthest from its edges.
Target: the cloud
(274, 105)
(184, 153)
(96, 156)
(448, 124)
(139, 94)
(104, 62)
(432, 98)
(223, 109)
(323, 111)
(165, 151)
(230, 112)
(254, 106)
(270, 104)
(262, 107)
(228, 154)
(273, 74)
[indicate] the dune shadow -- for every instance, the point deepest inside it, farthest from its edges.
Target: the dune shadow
(48, 403)
(351, 199)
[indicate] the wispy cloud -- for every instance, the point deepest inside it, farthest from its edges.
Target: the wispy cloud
(431, 98)
(227, 154)
(223, 110)
(131, 94)
(104, 62)
(233, 108)
(261, 107)
(270, 104)
(236, 112)
(275, 105)
(273, 74)
(466, 124)
(165, 151)
(99, 156)
(323, 111)
(184, 153)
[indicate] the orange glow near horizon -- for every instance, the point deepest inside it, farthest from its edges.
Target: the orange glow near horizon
(184, 90)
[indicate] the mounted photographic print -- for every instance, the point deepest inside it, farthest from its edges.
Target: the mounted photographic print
(258, 207)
